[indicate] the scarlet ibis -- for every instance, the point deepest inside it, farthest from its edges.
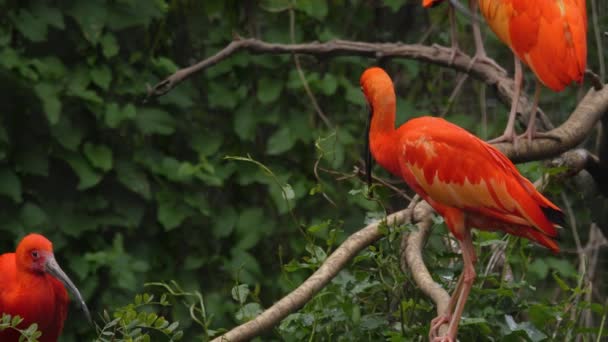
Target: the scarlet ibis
(33, 286)
(480, 52)
(548, 36)
(467, 181)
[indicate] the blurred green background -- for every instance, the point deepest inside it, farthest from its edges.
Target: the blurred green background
(133, 192)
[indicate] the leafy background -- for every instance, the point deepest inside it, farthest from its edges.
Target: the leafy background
(133, 191)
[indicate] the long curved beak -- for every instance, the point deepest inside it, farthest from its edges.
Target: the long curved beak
(368, 154)
(52, 268)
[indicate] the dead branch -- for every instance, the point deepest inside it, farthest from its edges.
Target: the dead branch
(570, 133)
(330, 268)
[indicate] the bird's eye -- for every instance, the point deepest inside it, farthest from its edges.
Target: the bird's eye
(35, 254)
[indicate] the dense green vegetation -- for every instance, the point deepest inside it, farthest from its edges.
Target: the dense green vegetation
(233, 187)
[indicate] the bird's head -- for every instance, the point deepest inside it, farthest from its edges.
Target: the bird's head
(35, 255)
(431, 3)
(379, 93)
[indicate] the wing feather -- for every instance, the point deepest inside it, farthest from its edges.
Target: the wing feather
(457, 169)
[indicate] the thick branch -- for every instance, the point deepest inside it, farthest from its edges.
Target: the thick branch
(301, 295)
(571, 133)
(413, 255)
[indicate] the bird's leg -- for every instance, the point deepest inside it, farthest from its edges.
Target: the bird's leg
(468, 276)
(509, 133)
(440, 320)
(453, 33)
(480, 51)
(531, 132)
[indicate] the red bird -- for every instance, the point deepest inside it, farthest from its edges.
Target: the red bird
(467, 181)
(548, 36)
(33, 288)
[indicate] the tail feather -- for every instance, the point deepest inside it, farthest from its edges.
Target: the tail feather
(555, 216)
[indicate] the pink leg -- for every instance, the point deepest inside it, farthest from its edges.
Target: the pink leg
(480, 51)
(509, 134)
(531, 132)
(468, 276)
(453, 33)
(440, 320)
(468, 255)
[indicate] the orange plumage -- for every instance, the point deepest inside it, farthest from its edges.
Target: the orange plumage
(547, 35)
(469, 182)
(29, 290)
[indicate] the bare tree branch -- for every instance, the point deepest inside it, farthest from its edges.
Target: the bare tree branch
(570, 133)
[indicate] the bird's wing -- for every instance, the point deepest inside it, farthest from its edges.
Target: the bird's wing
(61, 309)
(458, 170)
(551, 37)
(7, 271)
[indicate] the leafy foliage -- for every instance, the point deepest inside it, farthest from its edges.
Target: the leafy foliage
(132, 191)
(29, 334)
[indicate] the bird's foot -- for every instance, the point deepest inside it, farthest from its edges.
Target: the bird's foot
(436, 323)
(531, 134)
(483, 58)
(509, 137)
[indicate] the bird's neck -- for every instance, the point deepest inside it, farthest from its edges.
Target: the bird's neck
(383, 137)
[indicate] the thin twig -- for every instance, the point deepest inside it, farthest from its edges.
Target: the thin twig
(598, 40)
(296, 58)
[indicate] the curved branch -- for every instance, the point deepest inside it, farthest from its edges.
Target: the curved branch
(303, 293)
(570, 134)
(413, 255)
(435, 54)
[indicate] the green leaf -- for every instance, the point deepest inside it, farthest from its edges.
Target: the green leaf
(329, 84)
(99, 156)
(248, 312)
(132, 178)
(154, 121)
(67, 134)
(225, 222)
(51, 104)
(114, 115)
(101, 76)
(29, 26)
(87, 176)
(314, 8)
(171, 213)
(49, 15)
(245, 121)
(281, 141)
(394, 5)
(269, 89)
(10, 185)
(32, 215)
(533, 333)
(91, 16)
(109, 45)
(240, 293)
